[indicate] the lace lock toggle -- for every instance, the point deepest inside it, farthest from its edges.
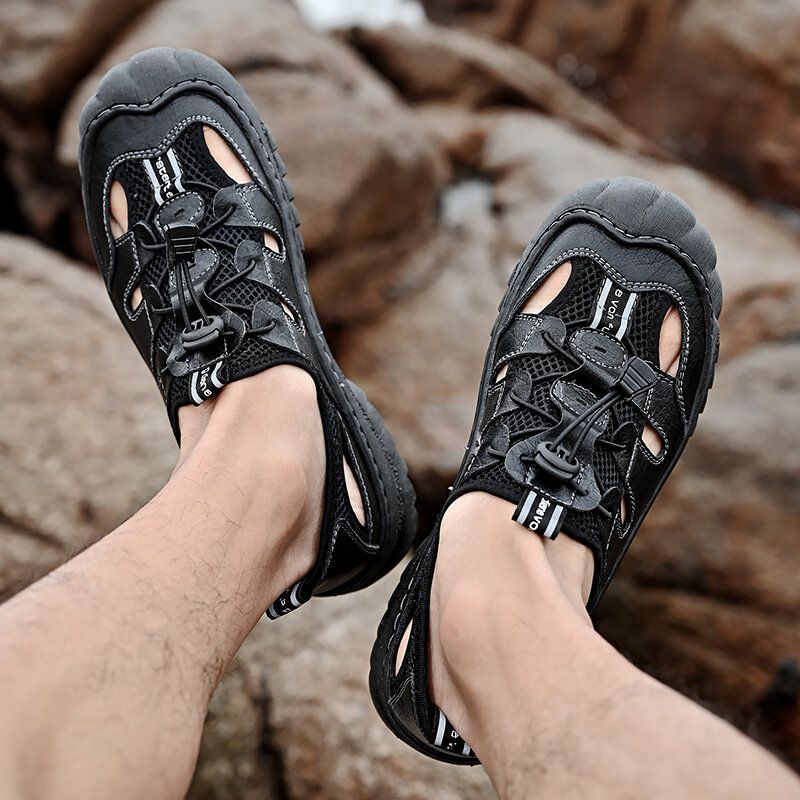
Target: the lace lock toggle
(181, 238)
(556, 461)
(202, 333)
(636, 377)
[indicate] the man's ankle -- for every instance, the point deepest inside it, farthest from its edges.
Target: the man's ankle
(478, 533)
(260, 442)
(496, 593)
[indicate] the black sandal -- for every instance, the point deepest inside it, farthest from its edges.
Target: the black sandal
(560, 434)
(217, 304)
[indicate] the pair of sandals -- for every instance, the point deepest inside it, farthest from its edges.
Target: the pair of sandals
(567, 394)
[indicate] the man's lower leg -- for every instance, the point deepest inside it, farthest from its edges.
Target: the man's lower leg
(114, 656)
(551, 709)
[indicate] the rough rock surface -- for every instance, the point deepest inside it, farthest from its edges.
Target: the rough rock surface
(712, 80)
(708, 598)
(85, 443)
(716, 563)
(434, 63)
(236, 755)
(84, 439)
(331, 741)
(528, 161)
(47, 46)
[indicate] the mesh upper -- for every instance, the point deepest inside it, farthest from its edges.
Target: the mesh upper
(575, 306)
(201, 174)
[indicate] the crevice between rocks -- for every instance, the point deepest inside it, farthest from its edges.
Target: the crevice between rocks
(270, 753)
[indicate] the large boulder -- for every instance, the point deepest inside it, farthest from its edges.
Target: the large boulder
(85, 443)
(359, 166)
(84, 440)
(596, 45)
(432, 63)
(707, 599)
(237, 757)
(527, 162)
(714, 81)
(47, 46)
(741, 121)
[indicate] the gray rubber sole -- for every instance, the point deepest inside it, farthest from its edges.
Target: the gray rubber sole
(144, 84)
(647, 212)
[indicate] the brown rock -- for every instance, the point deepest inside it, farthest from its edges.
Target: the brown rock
(736, 659)
(361, 283)
(539, 160)
(499, 19)
(47, 46)
(25, 556)
(598, 46)
(729, 518)
(707, 599)
(234, 762)
(359, 167)
(420, 363)
(428, 401)
(332, 743)
(84, 440)
(432, 63)
(721, 92)
(713, 81)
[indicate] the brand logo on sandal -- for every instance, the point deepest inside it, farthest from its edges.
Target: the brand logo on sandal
(539, 513)
(165, 175)
(613, 309)
(206, 383)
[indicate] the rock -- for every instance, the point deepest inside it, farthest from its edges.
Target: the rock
(539, 160)
(420, 363)
(25, 556)
(351, 148)
(737, 660)
(500, 19)
(597, 46)
(47, 47)
(432, 63)
(331, 740)
(741, 121)
(712, 81)
(85, 439)
(84, 444)
(234, 762)
(707, 598)
(358, 285)
(738, 524)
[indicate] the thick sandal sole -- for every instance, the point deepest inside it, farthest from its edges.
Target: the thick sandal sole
(145, 83)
